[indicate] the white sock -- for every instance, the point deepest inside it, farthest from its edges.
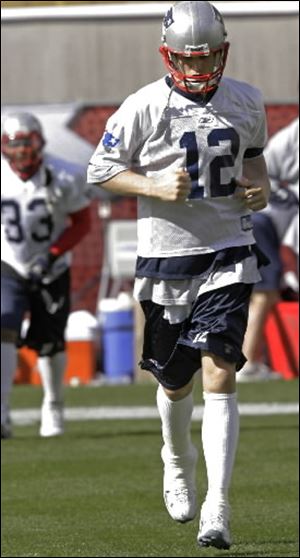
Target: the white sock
(52, 370)
(220, 432)
(8, 369)
(176, 419)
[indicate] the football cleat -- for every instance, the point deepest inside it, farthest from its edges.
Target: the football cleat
(52, 421)
(6, 431)
(256, 372)
(214, 527)
(179, 490)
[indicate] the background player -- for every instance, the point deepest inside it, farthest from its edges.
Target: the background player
(280, 277)
(44, 214)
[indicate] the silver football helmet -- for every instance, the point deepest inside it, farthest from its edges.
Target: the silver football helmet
(22, 143)
(194, 29)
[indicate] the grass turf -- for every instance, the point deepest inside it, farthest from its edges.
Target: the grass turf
(25, 396)
(97, 490)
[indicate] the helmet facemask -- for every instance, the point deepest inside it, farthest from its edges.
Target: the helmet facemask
(22, 146)
(201, 83)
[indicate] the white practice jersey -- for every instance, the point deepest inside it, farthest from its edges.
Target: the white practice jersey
(282, 160)
(282, 157)
(35, 213)
(158, 130)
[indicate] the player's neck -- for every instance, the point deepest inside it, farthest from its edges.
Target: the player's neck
(196, 97)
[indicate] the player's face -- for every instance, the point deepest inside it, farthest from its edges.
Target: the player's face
(24, 153)
(198, 65)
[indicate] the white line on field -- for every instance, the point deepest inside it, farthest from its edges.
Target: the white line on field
(30, 416)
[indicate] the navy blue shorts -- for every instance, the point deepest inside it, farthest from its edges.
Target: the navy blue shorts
(48, 309)
(217, 324)
(267, 240)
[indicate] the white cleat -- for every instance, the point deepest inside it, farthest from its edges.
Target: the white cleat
(256, 372)
(52, 420)
(214, 528)
(180, 494)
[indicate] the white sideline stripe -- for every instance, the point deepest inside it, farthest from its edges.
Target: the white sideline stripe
(31, 416)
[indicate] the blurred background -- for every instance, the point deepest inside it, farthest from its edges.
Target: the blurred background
(72, 64)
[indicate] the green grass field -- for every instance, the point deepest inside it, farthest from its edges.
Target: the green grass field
(97, 491)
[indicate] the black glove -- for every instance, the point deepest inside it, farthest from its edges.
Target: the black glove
(40, 267)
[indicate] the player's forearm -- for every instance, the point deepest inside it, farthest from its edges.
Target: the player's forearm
(173, 186)
(256, 171)
(128, 183)
(72, 235)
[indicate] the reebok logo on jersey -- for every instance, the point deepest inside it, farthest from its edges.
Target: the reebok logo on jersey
(206, 121)
(109, 141)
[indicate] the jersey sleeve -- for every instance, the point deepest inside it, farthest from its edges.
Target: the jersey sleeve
(80, 224)
(282, 157)
(116, 150)
(259, 136)
(75, 193)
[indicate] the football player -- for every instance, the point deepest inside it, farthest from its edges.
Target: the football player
(44, 214)
(190, 146)
(280, 277)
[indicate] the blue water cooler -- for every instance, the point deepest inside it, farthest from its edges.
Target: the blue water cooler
(116, 318)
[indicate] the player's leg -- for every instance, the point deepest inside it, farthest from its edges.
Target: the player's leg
(265, 295)
(220, 431)
(178, 453)
(8, 369)
(175, 406)
(14, 303)
(255, 369)
(51, 369)
(50, 309)
(217, 326)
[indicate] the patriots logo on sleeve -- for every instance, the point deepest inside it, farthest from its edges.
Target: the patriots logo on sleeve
(110, 141)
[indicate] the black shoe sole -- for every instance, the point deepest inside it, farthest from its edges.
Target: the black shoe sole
(182, 521)
(216, 541)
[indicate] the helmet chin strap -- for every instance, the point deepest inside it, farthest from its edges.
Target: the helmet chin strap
(201, 87)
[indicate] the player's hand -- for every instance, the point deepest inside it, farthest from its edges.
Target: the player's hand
(174, 186)
(40, 267)
(251, 194)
